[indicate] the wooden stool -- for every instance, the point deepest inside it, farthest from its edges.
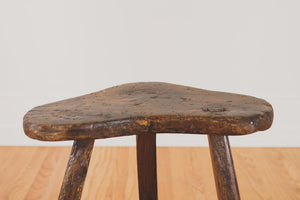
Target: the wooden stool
(144, 109)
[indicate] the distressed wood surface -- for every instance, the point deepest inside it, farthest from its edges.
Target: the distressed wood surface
(140, 108)
(76, 171)
(36, 173)
(224, 173)
(146, 166)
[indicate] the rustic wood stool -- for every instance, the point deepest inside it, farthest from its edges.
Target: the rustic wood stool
(144, 109)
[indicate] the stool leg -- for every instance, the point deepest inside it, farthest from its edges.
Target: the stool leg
(146, 165)
(225, 179)
(76, 170)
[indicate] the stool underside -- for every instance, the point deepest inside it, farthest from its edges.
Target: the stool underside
(148, 107)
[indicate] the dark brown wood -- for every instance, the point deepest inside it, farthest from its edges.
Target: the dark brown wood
(72, 186)
(225, 179)
(146, 165)
(140, 108)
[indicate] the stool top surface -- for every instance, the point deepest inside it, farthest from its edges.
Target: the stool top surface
(148, 107)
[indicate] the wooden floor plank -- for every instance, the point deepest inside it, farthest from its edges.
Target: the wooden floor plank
(47, 173)
(183, 173)
(17, 176)
(275, 170)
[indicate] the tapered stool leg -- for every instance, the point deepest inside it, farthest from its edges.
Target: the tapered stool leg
(225, 179)
(146, 165)
(72, 186)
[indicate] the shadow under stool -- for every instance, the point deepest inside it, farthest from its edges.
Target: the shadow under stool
(145, 109)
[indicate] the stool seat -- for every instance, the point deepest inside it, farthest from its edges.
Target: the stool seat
(148, 107)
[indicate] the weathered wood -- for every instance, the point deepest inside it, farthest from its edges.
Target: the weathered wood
(225, 179)
(146, 166)
(72, 186)
(140, 108)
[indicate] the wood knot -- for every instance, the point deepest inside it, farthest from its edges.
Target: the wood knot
(142, 122)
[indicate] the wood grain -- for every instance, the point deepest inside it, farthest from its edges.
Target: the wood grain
(36, 173)
(224, 173)
(146, 166)
(76, 171)
(140, 108)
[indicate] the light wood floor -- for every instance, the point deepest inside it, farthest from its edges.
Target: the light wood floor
(184, 173)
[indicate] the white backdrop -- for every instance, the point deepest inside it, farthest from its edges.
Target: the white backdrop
(52, 50)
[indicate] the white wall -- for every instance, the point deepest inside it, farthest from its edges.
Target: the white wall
(51, 50)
